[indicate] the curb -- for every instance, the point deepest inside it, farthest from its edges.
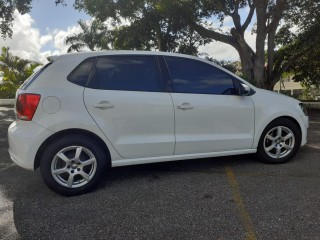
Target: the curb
(312, 105)
(6, 102)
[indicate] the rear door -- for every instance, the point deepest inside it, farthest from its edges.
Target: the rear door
(209, 114)
(126, 98)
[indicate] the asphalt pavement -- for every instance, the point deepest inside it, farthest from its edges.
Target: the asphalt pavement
(216, 198)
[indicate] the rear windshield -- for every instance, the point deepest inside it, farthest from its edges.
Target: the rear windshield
(33, 77)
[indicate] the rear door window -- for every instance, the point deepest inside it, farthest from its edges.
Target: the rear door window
(126, 73)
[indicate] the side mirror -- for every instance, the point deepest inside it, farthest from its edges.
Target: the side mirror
(244, 89)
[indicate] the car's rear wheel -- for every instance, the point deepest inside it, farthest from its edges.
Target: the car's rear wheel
(279, 142)
(73, 165)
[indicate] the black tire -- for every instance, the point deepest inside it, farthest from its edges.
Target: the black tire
(284, 154)
(83, 172)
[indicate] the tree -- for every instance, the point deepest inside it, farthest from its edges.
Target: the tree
(7, 8)
(164, 22)
(260, 65)
(133, 37)
(190, 41)
(152, 24)
(307, 68)
(162, 25)
(94, 36)
(14, 72)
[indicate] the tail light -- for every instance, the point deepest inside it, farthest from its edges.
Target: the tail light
(26, 106)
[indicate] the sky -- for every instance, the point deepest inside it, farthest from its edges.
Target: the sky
(42, 32)
(50, 19)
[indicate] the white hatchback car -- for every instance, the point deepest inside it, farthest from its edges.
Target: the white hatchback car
(85, 112)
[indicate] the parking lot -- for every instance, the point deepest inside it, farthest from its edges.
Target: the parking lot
(218, 198)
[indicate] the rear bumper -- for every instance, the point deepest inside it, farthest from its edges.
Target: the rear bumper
(25, 138)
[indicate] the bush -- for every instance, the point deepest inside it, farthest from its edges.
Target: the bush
(14, 72)
(8, 90)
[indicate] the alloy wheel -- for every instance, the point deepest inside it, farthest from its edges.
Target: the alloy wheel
(279, 142)
(73, 166)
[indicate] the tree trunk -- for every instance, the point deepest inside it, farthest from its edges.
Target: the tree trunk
(259, 60)
(245, 53)
(246, 64)
(254, 67)
(268, 85)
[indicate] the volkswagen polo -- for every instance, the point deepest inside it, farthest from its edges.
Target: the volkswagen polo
(83, 113)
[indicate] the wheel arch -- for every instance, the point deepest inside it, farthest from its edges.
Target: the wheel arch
(279, 157)
(292, 119)
(66, 132)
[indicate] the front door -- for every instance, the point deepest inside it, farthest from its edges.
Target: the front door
(209, 114)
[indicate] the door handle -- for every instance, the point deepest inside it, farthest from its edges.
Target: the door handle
(104, 105)
(185, 106)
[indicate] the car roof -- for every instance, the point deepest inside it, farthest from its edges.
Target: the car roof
(120, 52)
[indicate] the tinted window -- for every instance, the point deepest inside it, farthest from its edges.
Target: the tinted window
(191, 76)
(81, 74)
(165, 75)
(127, 73)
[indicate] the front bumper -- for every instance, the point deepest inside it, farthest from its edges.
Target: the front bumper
(25, 138)
(304, 123)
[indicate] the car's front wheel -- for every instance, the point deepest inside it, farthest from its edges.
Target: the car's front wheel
(73, 165)
(279, 142)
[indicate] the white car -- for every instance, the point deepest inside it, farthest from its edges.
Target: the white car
(85, 112)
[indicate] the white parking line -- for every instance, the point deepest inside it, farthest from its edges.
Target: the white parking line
(8, 120)
(7, 167)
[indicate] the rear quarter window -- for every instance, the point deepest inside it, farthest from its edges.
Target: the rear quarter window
(81, 73)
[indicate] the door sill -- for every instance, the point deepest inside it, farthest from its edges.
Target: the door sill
(136, 161)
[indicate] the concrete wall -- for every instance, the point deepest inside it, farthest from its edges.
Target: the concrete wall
(312, 105)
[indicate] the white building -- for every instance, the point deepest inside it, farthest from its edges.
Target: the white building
(288, 86)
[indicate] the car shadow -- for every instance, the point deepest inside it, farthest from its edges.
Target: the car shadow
(156, 170)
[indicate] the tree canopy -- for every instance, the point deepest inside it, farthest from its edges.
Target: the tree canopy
(7, 8)
(94, 36)
(184, 25)
(163, 23)
(154, 24)
(307, 67)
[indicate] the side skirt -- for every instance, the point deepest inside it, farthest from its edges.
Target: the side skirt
(136, 161)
